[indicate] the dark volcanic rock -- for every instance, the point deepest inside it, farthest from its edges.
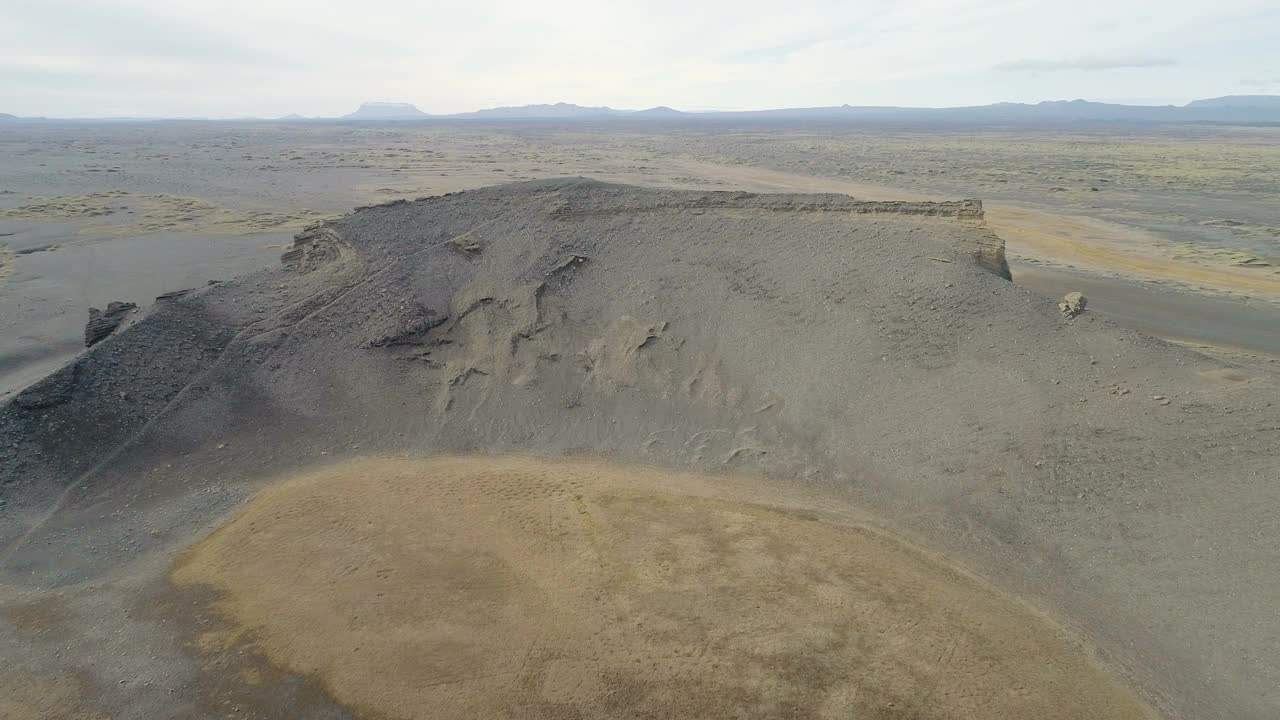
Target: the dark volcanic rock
(104, 322)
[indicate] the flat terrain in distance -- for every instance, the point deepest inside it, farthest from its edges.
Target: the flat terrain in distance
(1148, 218)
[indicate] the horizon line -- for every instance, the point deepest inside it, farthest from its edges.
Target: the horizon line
(609, 109)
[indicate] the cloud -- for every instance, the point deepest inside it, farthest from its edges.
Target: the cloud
(322, 57)
(115, 30)
(1258, 83)
(1085, 63)
(775, 52)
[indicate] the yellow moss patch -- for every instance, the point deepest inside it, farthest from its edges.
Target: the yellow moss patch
(523, 588)
(123, 212)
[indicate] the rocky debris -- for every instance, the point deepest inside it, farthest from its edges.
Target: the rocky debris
(409, 327)
(104, 322)
(54, 389)
(317, 245)
(468, 243)
(38, 249)
(1072, 304)
(175, 295)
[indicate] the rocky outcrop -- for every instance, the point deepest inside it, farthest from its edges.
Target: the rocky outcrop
(960, 209)
(1072, 304)
(988, 250)
(405, 324)
(317, 245)
(104, 322)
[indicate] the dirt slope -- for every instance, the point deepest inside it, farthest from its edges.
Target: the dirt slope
(869, 351)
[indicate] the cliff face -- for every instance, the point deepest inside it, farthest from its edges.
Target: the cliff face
(609, 202)
(987, 249)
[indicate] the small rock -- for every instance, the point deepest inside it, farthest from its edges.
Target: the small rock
(1072, 304)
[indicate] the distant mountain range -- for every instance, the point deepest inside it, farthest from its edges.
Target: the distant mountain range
(1240, 109)
(558, 110)
(1229, 109)
(1238, 101)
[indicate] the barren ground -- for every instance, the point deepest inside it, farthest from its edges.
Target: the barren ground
(865, 360)
(1183, 209)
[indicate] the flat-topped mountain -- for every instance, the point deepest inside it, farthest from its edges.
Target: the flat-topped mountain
(386, 111)
(555, 110)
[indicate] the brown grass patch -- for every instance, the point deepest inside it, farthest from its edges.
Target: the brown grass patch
(523, 588)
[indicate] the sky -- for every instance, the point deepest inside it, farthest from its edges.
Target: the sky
(266, 58)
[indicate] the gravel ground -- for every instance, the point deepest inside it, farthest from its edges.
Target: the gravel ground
(868, 353)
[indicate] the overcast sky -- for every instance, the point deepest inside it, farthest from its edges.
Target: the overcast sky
(231, 58)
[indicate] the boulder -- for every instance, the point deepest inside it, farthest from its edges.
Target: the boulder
(1072, 304)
